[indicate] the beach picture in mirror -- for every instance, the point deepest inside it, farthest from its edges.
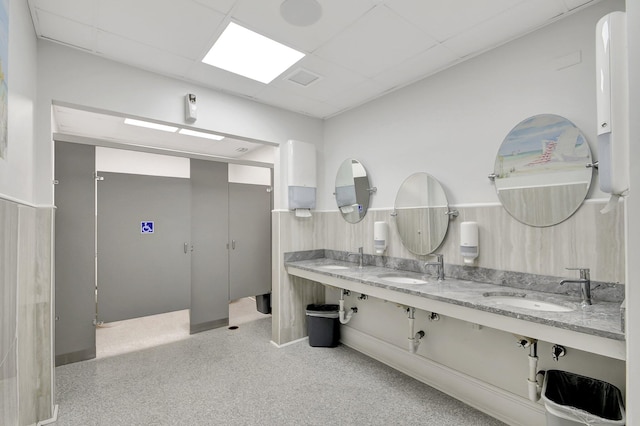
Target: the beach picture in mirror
(541, 173)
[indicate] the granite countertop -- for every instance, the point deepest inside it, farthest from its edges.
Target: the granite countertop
(600, 319)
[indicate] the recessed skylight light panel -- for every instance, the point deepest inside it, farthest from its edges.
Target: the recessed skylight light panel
(244, 52)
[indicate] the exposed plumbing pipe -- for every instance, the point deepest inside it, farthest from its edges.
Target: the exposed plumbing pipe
(534, 383)
(345, 318)
(414, 338)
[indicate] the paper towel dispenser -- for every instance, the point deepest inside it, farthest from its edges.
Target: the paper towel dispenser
(612, 103)
(301, 177)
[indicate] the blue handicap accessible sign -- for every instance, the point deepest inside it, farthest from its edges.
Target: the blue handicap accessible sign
(146, 227)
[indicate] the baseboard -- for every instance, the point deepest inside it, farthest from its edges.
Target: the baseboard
(209, 325)
(76, 356)
(505, 406)
(293, 342)
(53, 419)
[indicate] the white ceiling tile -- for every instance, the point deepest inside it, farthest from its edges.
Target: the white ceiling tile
(573, 4)
(222, 6)
(70, 32)
(84, 11)
(509, 25)
(375, 43)
(139, 55)
(287, 100)
(223, 80)
(184, 28)
(418, 67)
(264, 17)
(333, 79)
(443, 19)
(357, 95)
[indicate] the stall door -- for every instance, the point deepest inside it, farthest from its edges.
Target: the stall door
(250, 240)
(144, 257)
(75, 279)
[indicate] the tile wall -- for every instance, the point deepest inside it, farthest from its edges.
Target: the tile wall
(25, 331)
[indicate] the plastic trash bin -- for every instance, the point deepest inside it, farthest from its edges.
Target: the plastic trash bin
(263, 303)
(323, 325)
(571, 399)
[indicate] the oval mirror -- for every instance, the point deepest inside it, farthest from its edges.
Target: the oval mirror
(422, 213)
(540, 171)
(352, 190)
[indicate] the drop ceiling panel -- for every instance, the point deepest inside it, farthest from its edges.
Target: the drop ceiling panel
(521, 19)
(140, 55)
(57, 28)
(264, 17)
(443, 19)
(222, 6)
(357, 95)
(83, 11)
(416, 68)
(375, 43)
(185, 30)
(572, 4)
(223, 80)
(274, 96)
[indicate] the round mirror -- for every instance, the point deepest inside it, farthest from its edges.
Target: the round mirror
(421, 212)
(540, 172)
(352, 190)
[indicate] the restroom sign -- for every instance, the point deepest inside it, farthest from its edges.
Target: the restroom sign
(146, 227)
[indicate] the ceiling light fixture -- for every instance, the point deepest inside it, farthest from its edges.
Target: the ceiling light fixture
(150, 125)
(301, 13)
(200, 134)
(244, 52)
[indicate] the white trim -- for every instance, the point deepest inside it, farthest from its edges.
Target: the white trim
(16, 200)
(53, 418)
(505, 406)
(293, 342)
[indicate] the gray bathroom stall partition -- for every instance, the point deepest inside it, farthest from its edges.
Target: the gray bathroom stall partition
(250, 236)
(144, 257)
(75, 290)
(209, 237)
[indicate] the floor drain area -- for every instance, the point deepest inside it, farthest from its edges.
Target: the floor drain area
(233, 327)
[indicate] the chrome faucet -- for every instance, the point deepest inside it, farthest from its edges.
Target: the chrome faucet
(360, 255)
(585, 284)
(439, 264)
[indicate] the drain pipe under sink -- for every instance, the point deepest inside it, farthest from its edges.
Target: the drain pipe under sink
(534, 384)
(345, 318)
(414, 338)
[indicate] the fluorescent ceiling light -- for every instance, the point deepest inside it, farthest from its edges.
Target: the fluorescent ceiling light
(150, 125)
(241, 51)
(200, 134)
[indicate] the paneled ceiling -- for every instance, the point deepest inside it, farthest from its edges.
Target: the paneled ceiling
(360, 49)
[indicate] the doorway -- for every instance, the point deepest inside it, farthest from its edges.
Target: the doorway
(133, 194)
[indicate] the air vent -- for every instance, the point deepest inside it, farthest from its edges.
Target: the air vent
(303, 77)
(242, 149)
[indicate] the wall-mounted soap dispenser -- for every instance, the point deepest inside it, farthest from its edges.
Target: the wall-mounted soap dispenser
(301, 177)
(469, 241)
(612, 105)
(380, 230)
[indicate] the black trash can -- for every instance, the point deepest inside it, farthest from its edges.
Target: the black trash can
(571, 399)
(263, 303)
(323, 325)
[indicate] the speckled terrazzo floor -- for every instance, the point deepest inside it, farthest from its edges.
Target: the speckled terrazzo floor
(237, 377)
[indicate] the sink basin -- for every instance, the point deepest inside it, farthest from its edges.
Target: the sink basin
(401, 279)
(334, 267)
(533, 304)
